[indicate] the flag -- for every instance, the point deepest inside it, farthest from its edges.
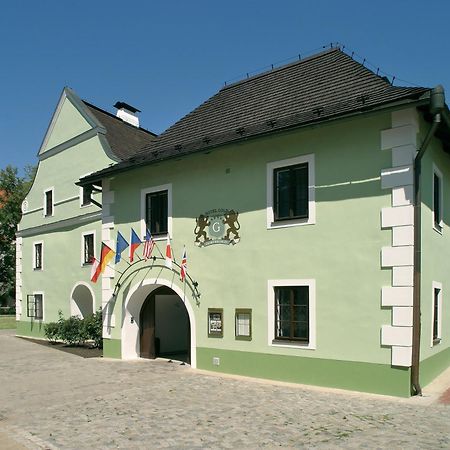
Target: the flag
(183, 267)
(168, 253)
(148, 245)
(121, 245)
(135, 243)
(107, 255)
(95, 265)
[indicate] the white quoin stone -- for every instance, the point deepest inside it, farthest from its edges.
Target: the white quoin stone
(407, 116)
(401, 356)
(397, 176)
(402, 195)
(399, 336)
(403, 235)
(403, 155)
(397, 256)
(402, 316)
(397, 296)
(396, 137)
(403, 276)
(398, 216)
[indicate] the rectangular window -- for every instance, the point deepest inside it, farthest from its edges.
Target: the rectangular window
(290, 194)
(85, 196)
(215, 322)
(48, 203)
(88, 248)
(156, 212)
(243, 322)
(37, 256)
(437, 306)
(437, 202)
(292, 313)
(35, 306)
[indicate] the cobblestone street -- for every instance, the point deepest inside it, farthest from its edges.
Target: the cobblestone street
(51, 399)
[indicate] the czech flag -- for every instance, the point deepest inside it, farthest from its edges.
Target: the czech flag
(135, 243)
(121, 245)
(106, 256)
(168, 254)
(183, 270)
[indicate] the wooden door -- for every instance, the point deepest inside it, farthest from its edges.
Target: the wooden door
(147, 328)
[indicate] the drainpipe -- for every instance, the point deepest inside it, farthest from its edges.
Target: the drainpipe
(437, 105)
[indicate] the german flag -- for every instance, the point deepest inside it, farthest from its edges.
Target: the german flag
(106, 256)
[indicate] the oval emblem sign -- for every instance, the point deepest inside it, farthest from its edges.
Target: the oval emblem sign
(218, 226)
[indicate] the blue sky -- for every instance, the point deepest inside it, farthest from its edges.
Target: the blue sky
(166, 57)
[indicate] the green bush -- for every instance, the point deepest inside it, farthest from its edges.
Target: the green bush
(52, 331)
(93, 328)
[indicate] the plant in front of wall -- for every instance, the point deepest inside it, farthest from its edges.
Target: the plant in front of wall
(93, 328)
(52, 332)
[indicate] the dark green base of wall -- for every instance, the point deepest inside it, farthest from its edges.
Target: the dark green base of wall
(31, 329)
(355, 376)
(431, 367)
(112, 348)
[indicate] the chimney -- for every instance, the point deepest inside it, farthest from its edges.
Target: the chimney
(127, 113)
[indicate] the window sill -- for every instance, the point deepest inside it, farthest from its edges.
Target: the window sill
(437, 228)
(290, 223)
(243, 338)
(292, 344)
(436, 341)
(37, 269)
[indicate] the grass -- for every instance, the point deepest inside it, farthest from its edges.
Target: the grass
(7, 322)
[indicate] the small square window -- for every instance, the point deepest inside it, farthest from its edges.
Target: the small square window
(215, 322)
(37, 256)
(86, 194)
(88, 248)
(243, 324)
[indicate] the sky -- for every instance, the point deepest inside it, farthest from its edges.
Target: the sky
(165, 57)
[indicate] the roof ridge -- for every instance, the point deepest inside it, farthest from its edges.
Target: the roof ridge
(284, 66)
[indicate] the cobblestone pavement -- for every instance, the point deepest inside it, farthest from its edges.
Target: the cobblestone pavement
(50, 399)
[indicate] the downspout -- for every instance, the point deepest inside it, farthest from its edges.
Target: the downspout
(437, 105)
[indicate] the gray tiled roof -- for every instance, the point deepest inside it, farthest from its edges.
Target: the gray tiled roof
(124, 139)
(321, 87)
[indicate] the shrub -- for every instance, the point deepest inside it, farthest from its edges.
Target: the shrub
(52, 331)
(93, 328)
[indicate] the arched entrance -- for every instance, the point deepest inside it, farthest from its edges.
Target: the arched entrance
(82, 300)
(132, 309)
(164, 326)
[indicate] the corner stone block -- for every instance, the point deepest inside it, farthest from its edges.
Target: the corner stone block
(403, 155)
(402, 235)
(403, 276)
(396, 336)
(397, 216)
(396, 137)
(401, 356)
(397, 256)
(397, 176)
(402, 195)
(402, 316)
(406, 116)
(397, 296)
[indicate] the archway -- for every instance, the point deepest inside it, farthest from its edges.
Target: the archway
(164, 326)
(82, 302)
(132, 308)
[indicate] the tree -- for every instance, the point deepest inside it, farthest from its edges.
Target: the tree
(12, 192)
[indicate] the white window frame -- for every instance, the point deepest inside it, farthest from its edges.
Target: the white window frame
(311, 283)
(436, 285)
(52, 190)
(437, 172)
(150, 190)
(85, 233)
(42, 255)
(311, 219)
(42, 319)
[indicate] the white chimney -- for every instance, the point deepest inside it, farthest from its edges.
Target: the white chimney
(127, 113)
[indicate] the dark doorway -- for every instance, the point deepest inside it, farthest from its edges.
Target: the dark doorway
(164, 327)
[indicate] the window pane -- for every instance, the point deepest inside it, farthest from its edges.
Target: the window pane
(300, 180)
(38, 306)
(282, 193)
(243, 324)
(48, 203)
(86, 197)
(436, 314)
(88, 248)
(436, 200)
(301, 330)
(157, 212)
(38, 256)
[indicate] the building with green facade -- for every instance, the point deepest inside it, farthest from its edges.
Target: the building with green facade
(311, 201)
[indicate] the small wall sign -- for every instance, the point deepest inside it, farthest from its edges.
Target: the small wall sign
(218, 226)
(215, 322)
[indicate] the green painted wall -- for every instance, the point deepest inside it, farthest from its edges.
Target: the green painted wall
(69, 124)
(30, 328)
(365, 377)
(112, 348)
(435, 264)
(341, 251)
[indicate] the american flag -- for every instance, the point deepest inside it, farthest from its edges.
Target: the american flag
(183, 267)
(149, 244)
